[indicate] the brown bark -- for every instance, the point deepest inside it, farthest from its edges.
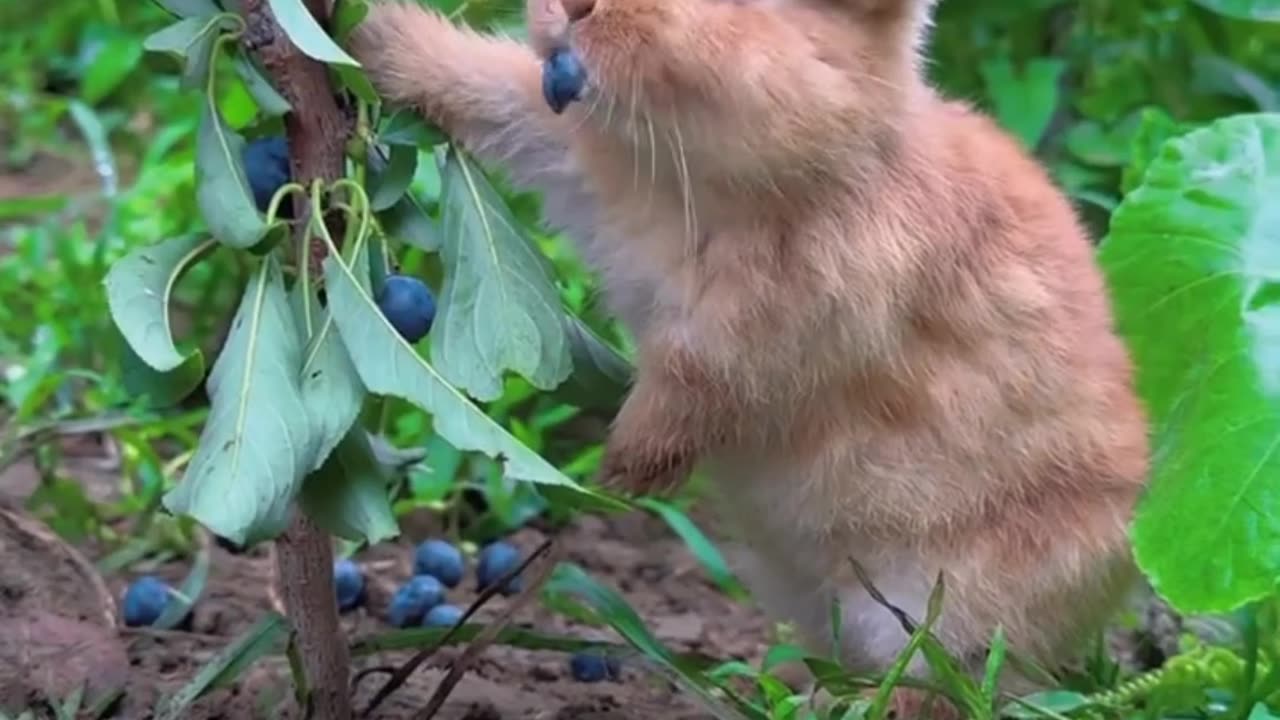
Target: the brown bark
(318, 130)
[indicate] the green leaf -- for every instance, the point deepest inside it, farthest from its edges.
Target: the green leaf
(1263, 10)
(160, 389)
(261, 639)
(331, 388)
(307, 35)
(390, 366)
(139, 287)
(191, 39)
(1192, 263)
(112, 64)
(190, 8)
(348, 495)
(407, 127)
(570, 581)
(699, 544)
(1024, 102)
(995, 664)
(390, 184)
(1051, 703)
(600, 376)
(256, 445)
(270, 102)
(408, 222)
(222, 188)
(499, 309)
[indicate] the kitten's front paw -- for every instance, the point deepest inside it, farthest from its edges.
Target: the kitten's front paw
(632, 469)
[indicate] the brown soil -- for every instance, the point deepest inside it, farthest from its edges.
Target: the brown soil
(633, 554)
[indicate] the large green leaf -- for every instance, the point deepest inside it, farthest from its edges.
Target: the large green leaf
(306, 33)
(257, 442)
(348, 495)
(331, 388)
(1267, 10)
(499, 309)
(222, 188)
(1193, 260)
(139, 286)
(600, 374)
(191, 39)
(390, 366)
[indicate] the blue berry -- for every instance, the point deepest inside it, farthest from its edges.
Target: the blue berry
(563, 78)
(414, 599)
(442, 616)
(440, 560)
(266, 163)
(408, 305)
(590, 667)
(145, 600)
(497, 559)
(348, 583)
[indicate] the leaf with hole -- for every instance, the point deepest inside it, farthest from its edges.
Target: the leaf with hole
(1193, 263)
(222, 188)
(257, 443)
(499, 309)
(390, 366)
(139, 287)
(348, 495)
(303, 30)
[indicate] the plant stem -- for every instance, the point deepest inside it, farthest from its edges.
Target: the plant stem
(304, 562)
(318, 130)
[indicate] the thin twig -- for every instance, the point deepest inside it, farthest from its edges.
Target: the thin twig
(402, 674)
(491, 631)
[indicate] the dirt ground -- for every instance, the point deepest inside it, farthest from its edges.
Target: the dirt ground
(633, 554)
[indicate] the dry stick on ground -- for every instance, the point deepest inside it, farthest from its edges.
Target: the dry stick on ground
(400, 675)
(317, 131)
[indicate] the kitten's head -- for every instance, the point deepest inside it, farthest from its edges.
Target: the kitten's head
(742, 82)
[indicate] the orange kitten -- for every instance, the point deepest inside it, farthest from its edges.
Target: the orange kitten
(864, 307)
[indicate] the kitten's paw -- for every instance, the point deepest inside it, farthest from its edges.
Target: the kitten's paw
(637, 470)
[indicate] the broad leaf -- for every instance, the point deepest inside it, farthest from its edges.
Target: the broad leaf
(390, 366)
(269, 101)
(160, 389)
(499, 309)
(110, 67)
(408, 222)
(331, 388)
(407, 127)
(190, 39)
(1193, 260)
(1024, 102)
(138, 288)
(222, 189)
(390, 183)
(1265, 10)
(256, 444)
(306, 33)
(601, 375)
(348, 495)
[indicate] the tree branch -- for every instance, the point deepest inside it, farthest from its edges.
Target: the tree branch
(317, 130)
